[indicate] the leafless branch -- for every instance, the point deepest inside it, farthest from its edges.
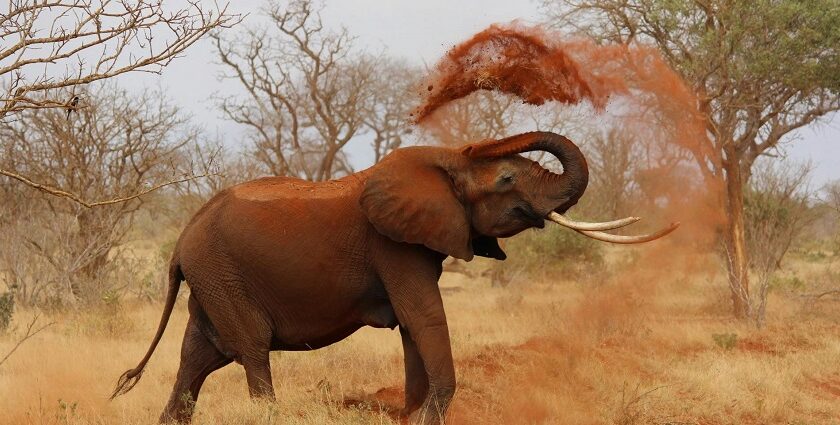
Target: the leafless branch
(821, 294)
(31, 331)
(90, 204)
(50, 45)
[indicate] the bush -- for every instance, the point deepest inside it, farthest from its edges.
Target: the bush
(726, 341)
(553, 251)
(7, 307)
(793, 283)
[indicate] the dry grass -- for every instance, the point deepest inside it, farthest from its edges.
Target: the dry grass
(636, 349)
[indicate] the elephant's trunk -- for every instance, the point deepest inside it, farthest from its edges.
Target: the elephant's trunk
(563, 190)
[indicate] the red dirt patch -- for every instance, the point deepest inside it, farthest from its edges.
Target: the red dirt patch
(540, 344)
(488, 362)
(782, 343)
(828, 387)
(757, 345)
(388, 400)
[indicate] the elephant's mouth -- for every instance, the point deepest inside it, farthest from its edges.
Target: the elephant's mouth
(528, 216)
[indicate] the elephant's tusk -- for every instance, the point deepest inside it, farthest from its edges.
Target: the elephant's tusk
(606, 237)
(583, 225)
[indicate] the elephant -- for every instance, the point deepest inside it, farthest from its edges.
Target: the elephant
(280, 263)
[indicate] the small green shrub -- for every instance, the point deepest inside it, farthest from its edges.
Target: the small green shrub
(815, 256)
(165, 250)
(793, 283)
(7, 307)
(726, 341)
(108, 318)
(67, 411)
(553, 250)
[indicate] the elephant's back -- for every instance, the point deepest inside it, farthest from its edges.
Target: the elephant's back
(270, 189)
(275, 211)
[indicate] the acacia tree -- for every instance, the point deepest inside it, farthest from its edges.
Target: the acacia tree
(761, 69)
(309, 92)
(50, 49)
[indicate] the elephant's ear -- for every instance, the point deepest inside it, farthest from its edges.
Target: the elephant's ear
(410, 199)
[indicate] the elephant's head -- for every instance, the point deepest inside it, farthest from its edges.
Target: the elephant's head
(458, 201)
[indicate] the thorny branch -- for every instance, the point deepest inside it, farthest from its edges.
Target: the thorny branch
(30, 332)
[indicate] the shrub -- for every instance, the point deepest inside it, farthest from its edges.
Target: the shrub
(726, 341)
(7, 307)
(793, 283)
(551, 251)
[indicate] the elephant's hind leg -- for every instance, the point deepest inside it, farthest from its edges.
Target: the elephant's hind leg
(199, 357)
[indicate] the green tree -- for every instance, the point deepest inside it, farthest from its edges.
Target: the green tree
(761, 69)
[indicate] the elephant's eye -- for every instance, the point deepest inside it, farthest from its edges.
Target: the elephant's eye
(506, 178)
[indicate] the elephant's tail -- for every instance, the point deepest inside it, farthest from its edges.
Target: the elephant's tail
(129, 379)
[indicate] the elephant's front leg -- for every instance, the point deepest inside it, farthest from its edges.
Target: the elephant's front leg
(436, 352)
(413, 290)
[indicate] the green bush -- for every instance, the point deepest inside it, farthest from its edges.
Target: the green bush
(550, 251)
(726, 341)
(7, 307)
(165, 250)
(793, 283)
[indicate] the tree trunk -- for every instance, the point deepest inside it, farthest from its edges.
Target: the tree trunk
(736, 250)
(325, 172)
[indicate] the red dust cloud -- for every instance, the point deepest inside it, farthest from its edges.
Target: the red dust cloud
(517, 61)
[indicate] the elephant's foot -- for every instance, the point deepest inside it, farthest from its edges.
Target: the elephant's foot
(433, 410)
(179, 409)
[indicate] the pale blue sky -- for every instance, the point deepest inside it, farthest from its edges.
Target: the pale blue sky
(420, 32)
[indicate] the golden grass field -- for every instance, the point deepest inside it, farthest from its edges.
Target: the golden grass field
(634, 348)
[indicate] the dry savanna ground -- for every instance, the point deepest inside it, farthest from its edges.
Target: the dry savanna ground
(648, 343)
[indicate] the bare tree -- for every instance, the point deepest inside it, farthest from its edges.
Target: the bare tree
(777, 211)
(614, 159)
(482, 115)
(121, 144)
(832, 191)
(760, 70)
(308, 93)
(48, 49)
(393, 98)
(227, 168)
(54, 44)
